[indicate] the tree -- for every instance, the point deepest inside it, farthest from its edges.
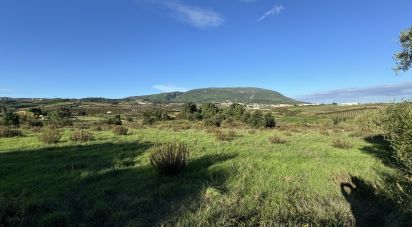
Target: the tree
(404, 57)
(235, 110)
(190, 111)
(269, 121)
(208, 110)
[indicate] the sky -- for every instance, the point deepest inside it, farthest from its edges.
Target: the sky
(318, 50)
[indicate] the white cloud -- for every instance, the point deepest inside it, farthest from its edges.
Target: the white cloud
(276, 10)
(195, 16)
(385, 92)
(169, 88)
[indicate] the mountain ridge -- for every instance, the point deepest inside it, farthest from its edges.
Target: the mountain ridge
(246, 95)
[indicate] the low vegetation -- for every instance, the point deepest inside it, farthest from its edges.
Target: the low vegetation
(282, 172)
(120, 130)
(81, 136)
(169, 158)
(50, 136)
(6, 132)
(277, 139)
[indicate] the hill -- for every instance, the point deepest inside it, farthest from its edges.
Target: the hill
(219, 95)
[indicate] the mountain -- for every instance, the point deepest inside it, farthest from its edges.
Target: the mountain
(219, 95)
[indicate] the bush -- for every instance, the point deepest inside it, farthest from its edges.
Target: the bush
(120, 130)
(7, 132)
(50, 136)
(190, 112)
(81, 136)
(225, 136)
(214, 121)
(277, 139)
(116, 120)
(98, 128)
(153, 115)
(396, 122)
(235, 110)
(341, 144)
(11, 119)
(269, 121)
(208, 110)
(170, 158)
(35, 123)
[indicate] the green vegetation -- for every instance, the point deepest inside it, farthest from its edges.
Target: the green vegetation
(302, 171)
(120, 130)
(170, 158)
(50, 136)
(404, 57)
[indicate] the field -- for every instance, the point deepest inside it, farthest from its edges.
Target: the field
(308, 180)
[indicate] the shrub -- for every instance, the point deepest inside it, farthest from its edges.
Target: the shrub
(8, 132)
(11, 119)
(116, 120)
(235, 110)
(341, 144)
(396, 122)
(225, 136)
(35, 123)
(120, 130)
(170, 158)
(190, 112)
(50, 136)
(337, 119)
(269, 121)
(82, 136)
(153, 115)
(277, 139)
(214, 121)
(208, 110)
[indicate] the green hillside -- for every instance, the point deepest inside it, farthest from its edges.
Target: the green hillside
(237, 95)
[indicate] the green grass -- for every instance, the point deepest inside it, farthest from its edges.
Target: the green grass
(244, 181)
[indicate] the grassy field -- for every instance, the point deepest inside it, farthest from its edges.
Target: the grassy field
(247, 181)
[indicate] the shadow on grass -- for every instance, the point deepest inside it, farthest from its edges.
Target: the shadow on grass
(369, 207)
(99, 185)
(380, 148)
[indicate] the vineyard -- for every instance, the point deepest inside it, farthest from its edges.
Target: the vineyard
(349, 113)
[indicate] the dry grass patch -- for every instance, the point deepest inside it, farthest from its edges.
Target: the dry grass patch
(120, 130)
(225, 135)
(81, 136)
(341, 144)
(8, 132)
(277, 140)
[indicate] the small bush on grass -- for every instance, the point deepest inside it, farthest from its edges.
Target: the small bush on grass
(81, 136)
(225, 136)
(50, 136)
(169, 159)
(341, 144)
(120, 130)
(277, 140)
(8, 132)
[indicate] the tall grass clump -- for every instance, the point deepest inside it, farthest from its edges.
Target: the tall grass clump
(6, 132)
(170, 158)
(225, 136)
(81, 136)
(50, 136)
(277, 140)
(120, 130)
(341, 144)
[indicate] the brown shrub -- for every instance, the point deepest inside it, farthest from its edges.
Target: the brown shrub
(170, 158)
(8, 132)
(120, 130)
(225, 135)
(81, 136)
(50, 136)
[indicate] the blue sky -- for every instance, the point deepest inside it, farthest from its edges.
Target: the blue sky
(313, 50)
